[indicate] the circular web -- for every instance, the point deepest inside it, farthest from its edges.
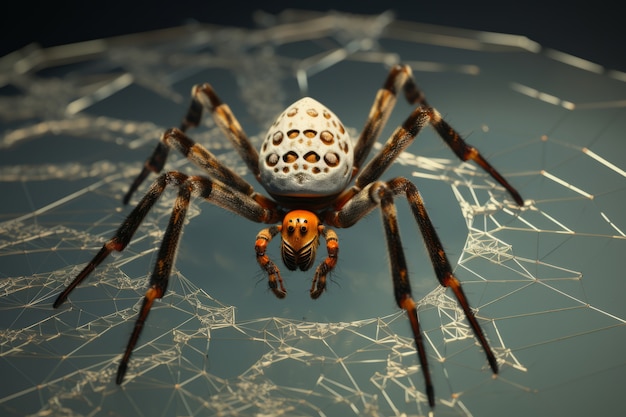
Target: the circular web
(79, 120)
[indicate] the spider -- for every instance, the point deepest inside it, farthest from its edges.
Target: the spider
(306, 164)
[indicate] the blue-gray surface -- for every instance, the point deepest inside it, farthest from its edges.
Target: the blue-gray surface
(79, 121)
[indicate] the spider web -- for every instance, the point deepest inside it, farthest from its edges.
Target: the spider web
(545, 279)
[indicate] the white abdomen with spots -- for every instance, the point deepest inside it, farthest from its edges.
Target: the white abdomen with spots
(307, 152)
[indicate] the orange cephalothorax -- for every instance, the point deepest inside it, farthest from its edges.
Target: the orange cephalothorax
(300, 234)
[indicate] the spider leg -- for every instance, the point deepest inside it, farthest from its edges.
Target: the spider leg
(161, 273)
(188, 186)
(399, 140)
(125, 232)
(401, 78)
(203, 97)
(275, 281)
(466, 152)
(318, 284)
(381, 194)
(439, 259)
(204, 159)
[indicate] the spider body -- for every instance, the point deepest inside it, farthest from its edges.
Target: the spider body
(306, 163)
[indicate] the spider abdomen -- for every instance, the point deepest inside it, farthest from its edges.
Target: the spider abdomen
(306, 153)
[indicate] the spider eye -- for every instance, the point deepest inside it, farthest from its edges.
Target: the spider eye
(291, 229)
(302, 229)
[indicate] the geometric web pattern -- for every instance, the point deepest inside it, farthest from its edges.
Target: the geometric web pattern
(545, 280)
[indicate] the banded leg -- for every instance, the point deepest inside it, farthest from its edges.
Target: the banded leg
(203, 97)
(206, 188)
(380, 194)
(401, 78)
(275, 281)
(204, 159)
(126, 230)
(318, 284)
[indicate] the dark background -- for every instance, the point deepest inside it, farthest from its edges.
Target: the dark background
(591, 30)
